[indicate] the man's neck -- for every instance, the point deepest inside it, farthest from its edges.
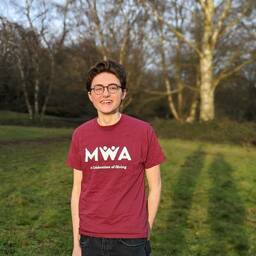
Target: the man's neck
(105, 120)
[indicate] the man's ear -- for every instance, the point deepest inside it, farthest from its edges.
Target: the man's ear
(90, 96)
(123, 94)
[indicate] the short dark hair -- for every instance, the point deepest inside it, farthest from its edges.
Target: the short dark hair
(108, 66)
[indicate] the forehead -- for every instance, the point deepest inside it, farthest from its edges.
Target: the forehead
(105, 78)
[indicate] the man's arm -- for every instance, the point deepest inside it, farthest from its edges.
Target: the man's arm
(76, 190)
(154, 183)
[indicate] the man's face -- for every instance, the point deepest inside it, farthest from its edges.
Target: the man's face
(106, 101)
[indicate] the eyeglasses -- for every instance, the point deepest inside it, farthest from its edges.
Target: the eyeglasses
(111, 88)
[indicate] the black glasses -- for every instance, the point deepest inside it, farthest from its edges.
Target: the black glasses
(111, 88)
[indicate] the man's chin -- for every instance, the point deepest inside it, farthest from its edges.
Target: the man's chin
(111, 112)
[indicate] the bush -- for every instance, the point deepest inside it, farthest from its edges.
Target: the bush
(224, 131)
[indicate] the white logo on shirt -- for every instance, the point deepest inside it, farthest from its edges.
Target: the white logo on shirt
(106, 153)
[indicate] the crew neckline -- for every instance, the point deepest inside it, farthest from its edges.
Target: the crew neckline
(111, 126)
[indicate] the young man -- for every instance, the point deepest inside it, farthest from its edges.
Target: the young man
(110, 156)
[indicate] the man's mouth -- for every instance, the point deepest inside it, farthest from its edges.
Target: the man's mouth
(106, 102)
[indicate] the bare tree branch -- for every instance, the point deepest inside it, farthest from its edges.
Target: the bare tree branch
(235, 21)
(178, 34)
(225, 74)
(99, 29)
(221, 21)
(162, 93)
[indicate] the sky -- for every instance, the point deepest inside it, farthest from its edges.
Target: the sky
(13, 11)
(8, 10)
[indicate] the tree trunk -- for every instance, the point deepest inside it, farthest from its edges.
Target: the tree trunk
(36, 99)
(193, 108)
(49, 91)
(207, 110)
(180, 97)
(24, 88)
(170, 100)
(206, 66)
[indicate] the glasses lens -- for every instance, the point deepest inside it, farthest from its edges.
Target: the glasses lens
(113, 88)
(98, 89)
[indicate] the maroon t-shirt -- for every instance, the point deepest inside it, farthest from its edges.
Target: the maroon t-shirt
(113, 160)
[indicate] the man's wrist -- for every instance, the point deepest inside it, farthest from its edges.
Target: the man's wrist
(76, 241)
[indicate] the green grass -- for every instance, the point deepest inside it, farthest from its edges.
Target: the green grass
(218, 131)
(207, 206)
(18, 133)
(34, 201)
(208, 202)
(10, 115)
(14, 118)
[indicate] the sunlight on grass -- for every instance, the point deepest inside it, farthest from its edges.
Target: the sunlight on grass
(207, 206)
(14, 133)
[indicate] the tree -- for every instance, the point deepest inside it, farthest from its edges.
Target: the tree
(10, 94)
(34, 42)
(218, 21)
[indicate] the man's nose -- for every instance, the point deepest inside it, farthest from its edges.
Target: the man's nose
(105, 91)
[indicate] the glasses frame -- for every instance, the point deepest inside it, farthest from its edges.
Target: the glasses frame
(105, 87)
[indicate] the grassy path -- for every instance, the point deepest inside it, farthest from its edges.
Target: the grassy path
(208, 203)
(208, 206)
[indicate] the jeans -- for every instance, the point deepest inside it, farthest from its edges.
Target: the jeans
(94, 246)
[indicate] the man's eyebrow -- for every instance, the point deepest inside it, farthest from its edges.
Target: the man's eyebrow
(97, 84)
(106, 85)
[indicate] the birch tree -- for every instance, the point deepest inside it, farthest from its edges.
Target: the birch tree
(219, 21)
(179, 81)
(38, 41)
(13, 46)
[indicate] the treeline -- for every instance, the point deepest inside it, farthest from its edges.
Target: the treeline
(187, 60)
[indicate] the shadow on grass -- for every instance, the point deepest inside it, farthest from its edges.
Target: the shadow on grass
(181, 202)
(226, 212)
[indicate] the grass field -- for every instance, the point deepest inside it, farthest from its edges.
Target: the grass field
(208, 205)
(14, 133)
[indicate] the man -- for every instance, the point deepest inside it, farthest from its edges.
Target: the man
(110, 156)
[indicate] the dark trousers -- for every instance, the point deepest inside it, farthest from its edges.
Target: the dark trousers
(94, 246)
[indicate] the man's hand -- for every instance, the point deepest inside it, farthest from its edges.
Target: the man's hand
(149, 231)
(77, 251)
(154, 185)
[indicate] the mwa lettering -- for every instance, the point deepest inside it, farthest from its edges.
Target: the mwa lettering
(106, 153)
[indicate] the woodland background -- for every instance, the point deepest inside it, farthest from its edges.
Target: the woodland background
(191, 73)
(187, 60)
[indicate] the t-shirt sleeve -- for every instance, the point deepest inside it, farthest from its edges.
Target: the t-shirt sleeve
(74, 158)
(155, 154)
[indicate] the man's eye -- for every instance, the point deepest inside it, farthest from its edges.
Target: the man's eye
(113, 87)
